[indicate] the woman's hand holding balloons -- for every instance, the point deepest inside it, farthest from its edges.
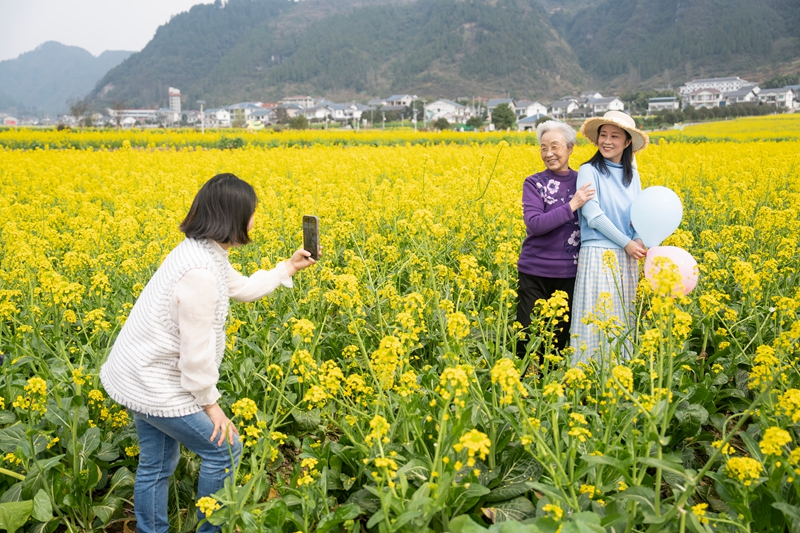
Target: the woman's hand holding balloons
(636, 249)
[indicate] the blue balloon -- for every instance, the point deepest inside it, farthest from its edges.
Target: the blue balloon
(655, 214)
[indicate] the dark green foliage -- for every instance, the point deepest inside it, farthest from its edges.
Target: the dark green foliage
(503, 117)
(441, 124)
(266, 49)
(776, 82)
(668, 118)
(695, 38)
(475, 122)
(300, 122)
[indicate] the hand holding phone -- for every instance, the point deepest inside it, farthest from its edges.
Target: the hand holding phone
(311, 235)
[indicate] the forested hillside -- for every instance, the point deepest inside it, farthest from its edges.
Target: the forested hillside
(628, 41)
(356, 49)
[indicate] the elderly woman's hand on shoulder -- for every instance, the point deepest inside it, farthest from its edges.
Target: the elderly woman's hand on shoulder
(582, 195)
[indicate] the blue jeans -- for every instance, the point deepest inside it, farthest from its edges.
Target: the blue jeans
(159, 451)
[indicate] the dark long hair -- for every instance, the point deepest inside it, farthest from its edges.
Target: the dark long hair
(599, 162)
(221, 210)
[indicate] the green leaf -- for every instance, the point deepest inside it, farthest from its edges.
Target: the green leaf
(376, 519)
(405, 518)
(465, 524)
(548, 490)
(366, 500)
(622, 467)
(691, 415)
(13, 437)
(468, 497)
(44, 527)
(517, 509)
(644, 495)
(670, 466)
(42, 509)
(720, 379)
(791, 512)
(307, 420)
(107, 452)
(415, 471)
(13, 515)
(121, 480)
(88, 443)
(342, 513)
(7, 418)
(752, 445)
(13, 494)
(515, 527)
(519, 468)
(37, 476)
(57, 416)
(105, 511)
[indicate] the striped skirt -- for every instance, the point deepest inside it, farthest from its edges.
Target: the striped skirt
(610, 315)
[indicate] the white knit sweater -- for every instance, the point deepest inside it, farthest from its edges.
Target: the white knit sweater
(165, 360)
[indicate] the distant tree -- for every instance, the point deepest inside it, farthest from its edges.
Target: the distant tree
(78, 108)
(118, 106)
(475, 122)
(503, 117)
(441, 124)
(300, 122)
(543, 118)
(281, 115)
(238, 121)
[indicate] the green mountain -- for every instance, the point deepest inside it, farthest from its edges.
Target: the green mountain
(356, 49)
(624, 43)
(348, 50)
(43, 79)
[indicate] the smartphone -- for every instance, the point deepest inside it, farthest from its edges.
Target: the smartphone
(311, 235)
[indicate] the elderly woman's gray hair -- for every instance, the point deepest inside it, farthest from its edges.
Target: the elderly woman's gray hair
(554, 125)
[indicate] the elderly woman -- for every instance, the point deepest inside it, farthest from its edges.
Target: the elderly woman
(606, 231)
(549, 256)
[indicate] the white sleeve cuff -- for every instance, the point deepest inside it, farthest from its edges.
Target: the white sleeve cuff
(283, 275)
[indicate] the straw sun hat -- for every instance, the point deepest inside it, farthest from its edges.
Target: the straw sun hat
(591, 127)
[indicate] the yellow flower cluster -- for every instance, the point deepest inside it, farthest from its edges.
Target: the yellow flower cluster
(774, 440)
(743, 469)
(506, 374)
(207, 505)
(476, 443)
(244, 408)
(454, 383)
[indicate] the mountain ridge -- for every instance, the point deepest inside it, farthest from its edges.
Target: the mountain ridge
(262, 50)
(42, 79)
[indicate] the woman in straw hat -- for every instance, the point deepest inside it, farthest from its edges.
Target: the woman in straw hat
(610, 246)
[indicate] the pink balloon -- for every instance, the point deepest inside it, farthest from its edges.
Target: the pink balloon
(687, 266)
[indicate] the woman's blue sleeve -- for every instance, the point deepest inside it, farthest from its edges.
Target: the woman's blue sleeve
(593, 213)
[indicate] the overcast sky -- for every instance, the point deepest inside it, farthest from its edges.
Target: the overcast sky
(95, 25)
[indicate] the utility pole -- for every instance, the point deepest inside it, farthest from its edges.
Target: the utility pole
(202, 116)
(415, 119)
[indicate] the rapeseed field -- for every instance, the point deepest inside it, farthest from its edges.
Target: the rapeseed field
(381, 394)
